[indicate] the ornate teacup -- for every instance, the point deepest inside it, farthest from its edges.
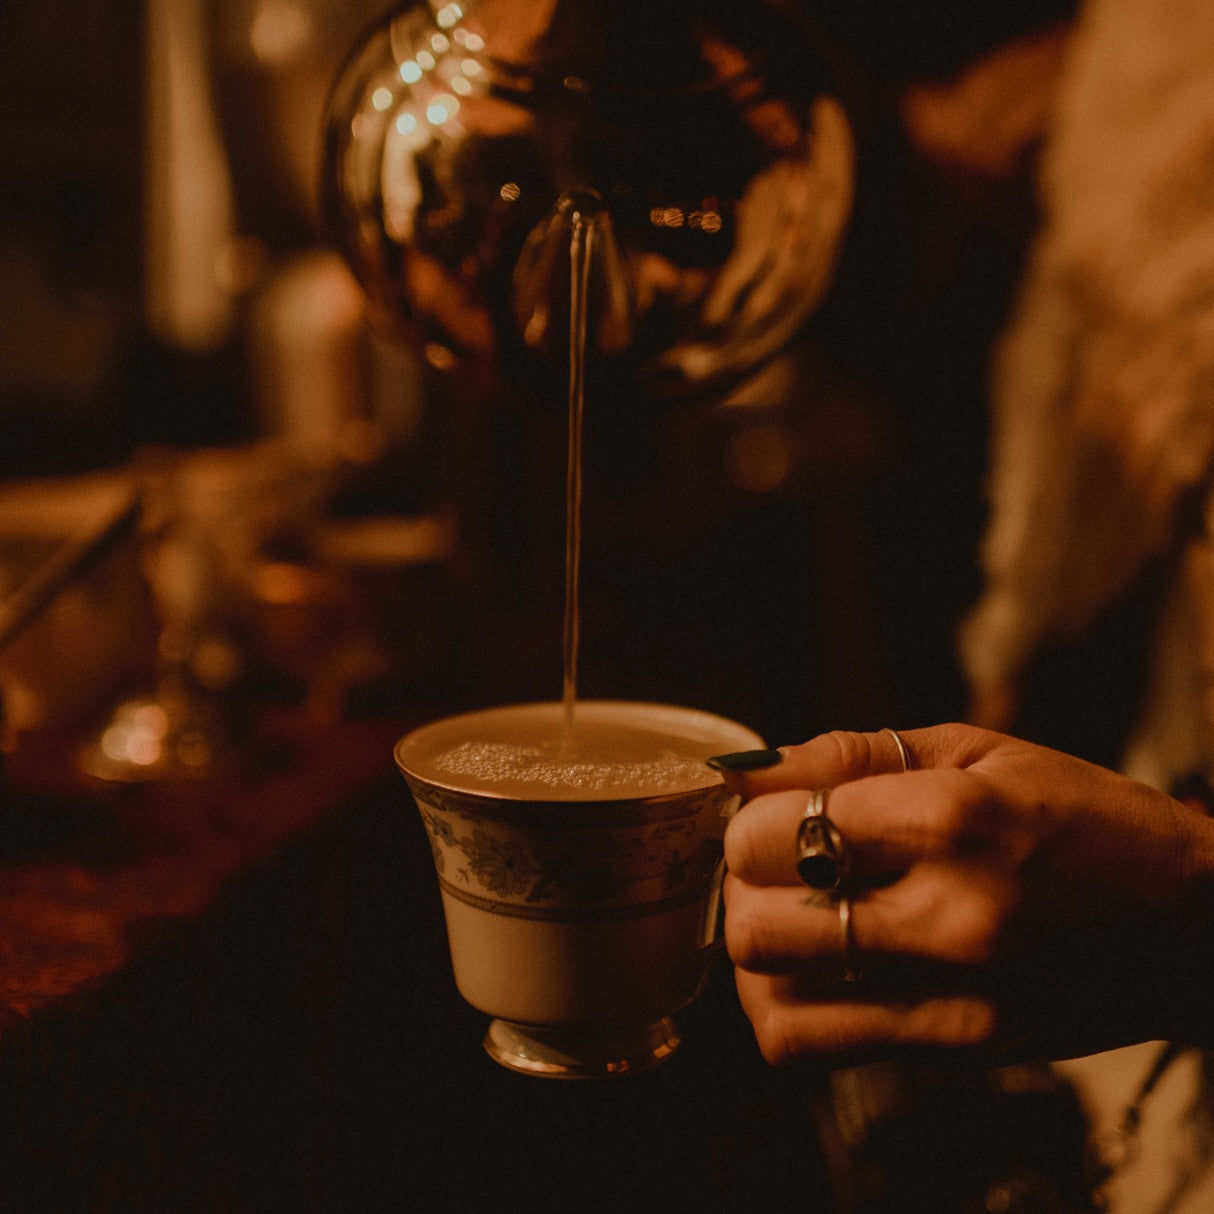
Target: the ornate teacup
(580, 894)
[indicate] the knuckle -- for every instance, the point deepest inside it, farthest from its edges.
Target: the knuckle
(955, 810)
(852, 752)
(954, 1021)
(740, 845)
(747, 937)
(967, 1022)
(768, 1016)
(775, 1041)
(963, 817)
(974, 930)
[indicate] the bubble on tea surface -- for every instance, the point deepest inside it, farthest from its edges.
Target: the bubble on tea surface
(502, 765)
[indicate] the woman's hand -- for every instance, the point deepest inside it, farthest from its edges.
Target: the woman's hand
(1002, 896)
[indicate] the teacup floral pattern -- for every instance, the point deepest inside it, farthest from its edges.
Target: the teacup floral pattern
(625, 856)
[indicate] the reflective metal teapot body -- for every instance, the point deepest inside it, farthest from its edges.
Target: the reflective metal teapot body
(463, 140)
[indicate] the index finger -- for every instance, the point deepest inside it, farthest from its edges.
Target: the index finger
(823, 762)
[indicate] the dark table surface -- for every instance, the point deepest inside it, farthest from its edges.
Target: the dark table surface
(235, 995)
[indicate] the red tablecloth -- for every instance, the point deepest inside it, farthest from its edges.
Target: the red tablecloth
(90, 870)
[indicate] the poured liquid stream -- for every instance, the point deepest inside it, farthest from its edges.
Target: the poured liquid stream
(580, 252)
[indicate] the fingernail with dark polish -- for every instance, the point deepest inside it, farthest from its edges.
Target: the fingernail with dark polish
(745, 760)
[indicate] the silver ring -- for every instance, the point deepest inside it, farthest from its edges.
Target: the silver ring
(851, 972)
(903, 752)
(822, 859)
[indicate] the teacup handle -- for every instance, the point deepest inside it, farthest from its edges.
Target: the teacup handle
(714, 927)
(701, 961)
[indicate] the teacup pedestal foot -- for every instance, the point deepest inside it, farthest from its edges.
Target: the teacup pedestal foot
(581, 1052)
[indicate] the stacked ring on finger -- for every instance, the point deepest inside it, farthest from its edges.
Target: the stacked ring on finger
(903, 751)
(851, 972)
(824, 863)
(822, 857)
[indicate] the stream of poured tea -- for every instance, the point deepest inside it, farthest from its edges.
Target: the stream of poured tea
(580, 250)
(538, 752)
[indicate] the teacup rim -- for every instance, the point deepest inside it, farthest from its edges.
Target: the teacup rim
(747, 736)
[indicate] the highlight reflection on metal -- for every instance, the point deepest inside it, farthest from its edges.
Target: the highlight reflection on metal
(712, 136)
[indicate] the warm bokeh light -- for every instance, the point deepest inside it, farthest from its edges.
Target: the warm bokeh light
(280, 31)
(439, 357)
(137, 735)
(443, 108)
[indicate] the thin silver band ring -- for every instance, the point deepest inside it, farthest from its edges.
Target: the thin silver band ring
(851, 972)
(903, 752)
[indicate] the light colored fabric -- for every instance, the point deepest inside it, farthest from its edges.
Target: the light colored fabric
(1103, 384)
(1168, 1169)
(1103, 427)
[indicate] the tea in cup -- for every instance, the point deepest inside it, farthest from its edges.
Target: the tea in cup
(579, 858)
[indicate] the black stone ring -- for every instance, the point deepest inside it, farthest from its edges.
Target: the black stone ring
(822, 860)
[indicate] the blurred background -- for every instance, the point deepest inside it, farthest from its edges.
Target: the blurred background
(223, 487)
(170, 288)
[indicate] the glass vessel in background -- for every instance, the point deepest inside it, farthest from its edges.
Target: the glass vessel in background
(206, 517)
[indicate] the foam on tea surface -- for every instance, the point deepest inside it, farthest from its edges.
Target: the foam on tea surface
(547, 773)
(614, 750)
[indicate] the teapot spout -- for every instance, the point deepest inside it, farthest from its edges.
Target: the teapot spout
(544, 277)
